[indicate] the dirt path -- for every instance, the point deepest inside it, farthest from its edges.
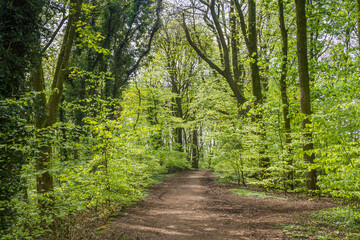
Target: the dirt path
(192, 206)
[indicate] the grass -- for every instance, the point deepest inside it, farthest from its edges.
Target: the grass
(158, 178)
(328, 224)
(249, 193)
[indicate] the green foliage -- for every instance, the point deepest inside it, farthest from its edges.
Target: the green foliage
(237, 151)
(331, 223)
(19, 31)
(347, 217)
(13, 135)
(174, 160)
(245, 192)
(118, 131)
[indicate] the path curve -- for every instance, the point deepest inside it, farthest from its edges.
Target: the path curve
(192, 206)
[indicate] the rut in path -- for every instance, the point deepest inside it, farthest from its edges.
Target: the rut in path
(192, 206)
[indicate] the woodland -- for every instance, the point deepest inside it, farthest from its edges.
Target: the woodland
(99, 98)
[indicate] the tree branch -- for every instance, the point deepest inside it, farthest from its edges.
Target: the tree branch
(242, 23)
(199, 52)
(155, 28)
(55, 33)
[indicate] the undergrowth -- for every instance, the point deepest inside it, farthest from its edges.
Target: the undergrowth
(249, 193)
(332, 223)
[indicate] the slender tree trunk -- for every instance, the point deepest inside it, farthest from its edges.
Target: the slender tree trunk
(255, 72)
(44, 180)
(179, 139)
(305, 101)
(283, 88)
(177, 107)
(234, 47)
(255, 77)
(63, 133)
(195, 149)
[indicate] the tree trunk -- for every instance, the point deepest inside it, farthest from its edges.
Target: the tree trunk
(235, 47)
(63, 133)
(255, 77)
(44, 180)
(283, 88)
(305, 101)
(253, 54)
(195, 149)
(63, 59)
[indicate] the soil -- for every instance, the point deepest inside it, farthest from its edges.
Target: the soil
(192, 205)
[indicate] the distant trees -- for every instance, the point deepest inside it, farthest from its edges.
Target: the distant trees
(246, 52)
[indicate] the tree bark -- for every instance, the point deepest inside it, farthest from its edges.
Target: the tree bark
(195, 149)
(249, 33)
(235, 49)
(63, 59)
(305, 101)
(253, 53)
(283, 87)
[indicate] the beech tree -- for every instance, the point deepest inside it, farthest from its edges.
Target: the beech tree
(305, 100)
(283, 84)
(47, 109)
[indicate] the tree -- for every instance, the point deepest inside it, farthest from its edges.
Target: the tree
(47, 109)
(250, 36)
(305, 100)
(283, 85)
(19, 28)
(138, 26)
(212, 18)
(182, 70)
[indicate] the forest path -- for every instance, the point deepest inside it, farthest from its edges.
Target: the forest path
(192, 205)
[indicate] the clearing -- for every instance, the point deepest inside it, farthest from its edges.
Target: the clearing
(191, 205)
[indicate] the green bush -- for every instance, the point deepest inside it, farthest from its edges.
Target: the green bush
(174, 160)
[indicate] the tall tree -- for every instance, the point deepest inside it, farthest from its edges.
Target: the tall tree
(47, 109)
(250, 36)
(305, 100)
(283, 85)
(19, 29)
(195, 149)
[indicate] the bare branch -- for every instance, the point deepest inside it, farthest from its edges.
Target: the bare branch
(199, 52)
(55, 33)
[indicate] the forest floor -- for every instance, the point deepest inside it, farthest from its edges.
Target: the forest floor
(191, 205)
